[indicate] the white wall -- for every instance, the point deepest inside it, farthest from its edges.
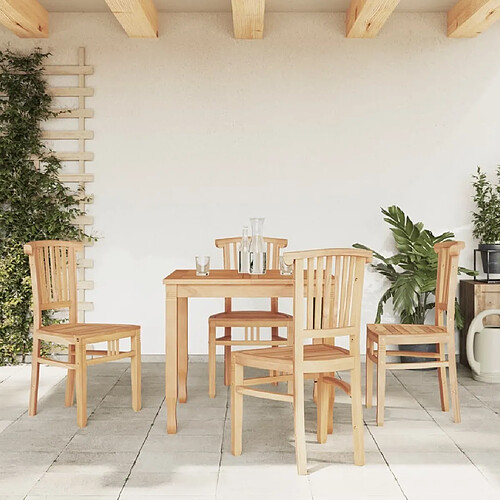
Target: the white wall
(195, 132)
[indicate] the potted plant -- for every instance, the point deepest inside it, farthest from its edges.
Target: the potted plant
(486, 220)
(411, 272)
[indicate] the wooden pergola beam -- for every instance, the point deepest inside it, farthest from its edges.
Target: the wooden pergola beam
(25, 18)
(469, 18)
(248, 18)
(138, 18)
(365, 18)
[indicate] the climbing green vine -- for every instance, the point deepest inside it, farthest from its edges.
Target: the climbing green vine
(34, 203)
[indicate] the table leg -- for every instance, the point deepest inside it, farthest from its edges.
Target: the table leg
(182, 339)
(171, 357)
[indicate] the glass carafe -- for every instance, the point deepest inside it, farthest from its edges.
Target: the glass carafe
(244, 253)
(258, 257)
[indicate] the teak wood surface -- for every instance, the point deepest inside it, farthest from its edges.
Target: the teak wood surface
(333, 286)
(442, 334)
(251, 321)
(54, 283)
(179, 287)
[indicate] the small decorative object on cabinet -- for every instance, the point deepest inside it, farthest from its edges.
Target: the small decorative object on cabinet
(476, 297)
(486, 220)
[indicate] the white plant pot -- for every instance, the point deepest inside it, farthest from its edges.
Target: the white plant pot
(483, 349)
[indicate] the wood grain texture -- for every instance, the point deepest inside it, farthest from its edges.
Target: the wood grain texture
(138, 18)
(25, 18)
(251, 321)
(469, 18)
(442, 334)
(322, 311)
(53, 269)
(248, 19)
(365, 18)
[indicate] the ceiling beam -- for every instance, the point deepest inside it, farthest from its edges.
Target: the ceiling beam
(248, 18)
(468, 18)
(365, 18)
(25, 18)
(138, 18)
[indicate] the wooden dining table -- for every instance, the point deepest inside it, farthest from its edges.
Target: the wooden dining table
(179, 287)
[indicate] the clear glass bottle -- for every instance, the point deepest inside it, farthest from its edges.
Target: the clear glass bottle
(258, 254)
(244, 253)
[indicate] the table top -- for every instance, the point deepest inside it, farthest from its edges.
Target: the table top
(230, 277)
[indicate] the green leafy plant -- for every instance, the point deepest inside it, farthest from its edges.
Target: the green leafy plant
(34, 203)
(412, 271)
(486, 218)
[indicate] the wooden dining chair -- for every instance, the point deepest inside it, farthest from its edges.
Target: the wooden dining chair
(54, 283)
(332, 280)
(251, 321)
(442, 334)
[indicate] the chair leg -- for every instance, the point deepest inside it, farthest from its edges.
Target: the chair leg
(135, 371)
(381, 374)
(274, 335)
(331, 404)
(35, 376)
(227, 359)
(299, 423)
(236, 409)
(212, 360)
(81, 384)
(357, 416)
(443, 384)
(70, 381)
(369, 373)
(454, 384)
(322, 409)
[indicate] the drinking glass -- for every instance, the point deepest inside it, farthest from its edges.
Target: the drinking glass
(202, 265)
(285, 269)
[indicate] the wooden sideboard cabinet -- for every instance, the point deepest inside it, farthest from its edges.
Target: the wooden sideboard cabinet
(475, 297)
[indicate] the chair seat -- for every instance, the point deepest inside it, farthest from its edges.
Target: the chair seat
(382, 329)
(281, 358)
(85, 330)
(251, 318)
(408, 334)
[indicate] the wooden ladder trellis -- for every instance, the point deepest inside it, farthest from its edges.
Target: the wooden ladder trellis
(78, 177)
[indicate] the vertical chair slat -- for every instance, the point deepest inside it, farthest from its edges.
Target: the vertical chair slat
(336, 298)
(319, 293)
(327, 300)
(52, 279)
(350, 285)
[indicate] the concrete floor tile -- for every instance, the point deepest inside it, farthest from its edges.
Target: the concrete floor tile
(50, 460)
(19, 481)
(106, 443)
(80, 483)
(353, 481)
(167, 463)
(177, 483)
(265, 479)
(174, 443)
(96, 461)
(430, 475)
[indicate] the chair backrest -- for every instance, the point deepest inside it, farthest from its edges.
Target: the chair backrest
(53, 276)
(332, 280)
(230, 256)
(230, 251)
(446, 282)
